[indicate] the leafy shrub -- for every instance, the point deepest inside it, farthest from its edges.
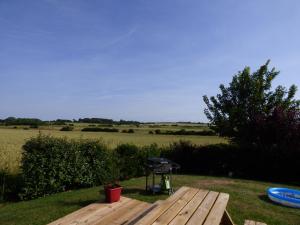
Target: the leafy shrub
(151, 132)
(210, 159)
(98, 129)
(189, 132)
(155, 126)
(52, 165)
(128, 155)
(105, 125)
(60, 122)
(130, 131)
(34, 126)
(132, 159)
(157, 131)
(151, 151)
(222, 159)
(10, 186)
(67, 128)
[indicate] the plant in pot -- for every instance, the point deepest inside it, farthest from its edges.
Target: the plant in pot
(112, 188)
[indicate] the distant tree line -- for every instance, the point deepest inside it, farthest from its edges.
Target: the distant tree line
(184, 132)
(107, 121)
(22, 121)
(99, 129)
(101, 121)
(34, 121)
(95, 120)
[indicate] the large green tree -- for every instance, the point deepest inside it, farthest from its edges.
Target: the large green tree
(249, 98)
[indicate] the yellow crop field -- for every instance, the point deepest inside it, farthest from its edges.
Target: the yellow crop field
(11, 141)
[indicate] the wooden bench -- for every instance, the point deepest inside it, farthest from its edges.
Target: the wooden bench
(187, 206)
(251, 222)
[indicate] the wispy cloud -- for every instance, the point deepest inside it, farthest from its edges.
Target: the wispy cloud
(121, 37)
(19, 32)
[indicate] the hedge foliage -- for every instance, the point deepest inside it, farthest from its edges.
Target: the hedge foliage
(186, 132)
(52, 165)
(67, 128)
(99, 129)
(132, 159)
(279, 165)
(129, 131)
(11, 185)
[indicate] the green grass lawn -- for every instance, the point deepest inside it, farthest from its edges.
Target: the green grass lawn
(248, 200)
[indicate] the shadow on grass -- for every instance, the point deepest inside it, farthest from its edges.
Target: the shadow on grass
(266, 199)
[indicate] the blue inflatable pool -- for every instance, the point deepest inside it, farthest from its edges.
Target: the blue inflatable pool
(285, 196)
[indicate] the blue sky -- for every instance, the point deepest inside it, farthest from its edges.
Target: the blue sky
(148, 60)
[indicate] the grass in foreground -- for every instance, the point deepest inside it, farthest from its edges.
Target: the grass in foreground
(248, 200)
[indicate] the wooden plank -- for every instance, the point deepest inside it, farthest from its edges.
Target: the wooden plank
(132, 214)
(90, 218)
(140, 215)
(90, 208)
(94, 207)
(185, 214)
(218, 209)
(173, 211)
(203, 210)
(118, 215)
(159, 209)
(226, 219)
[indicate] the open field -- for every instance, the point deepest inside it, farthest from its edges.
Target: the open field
(11, 140)
(248, 200)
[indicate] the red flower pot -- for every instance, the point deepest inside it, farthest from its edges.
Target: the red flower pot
(112, 193)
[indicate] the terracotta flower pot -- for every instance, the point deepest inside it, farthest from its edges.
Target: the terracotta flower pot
(112, 193)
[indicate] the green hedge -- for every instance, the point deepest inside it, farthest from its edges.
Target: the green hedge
(228, 159)
(132, 159)
(67, 128)
(10, 186)
(187, 132)
(52, 165)
(99, 129)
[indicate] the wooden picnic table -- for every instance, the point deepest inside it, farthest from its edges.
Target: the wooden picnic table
(187, 206)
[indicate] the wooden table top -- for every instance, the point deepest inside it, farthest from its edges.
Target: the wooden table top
(188, 206)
